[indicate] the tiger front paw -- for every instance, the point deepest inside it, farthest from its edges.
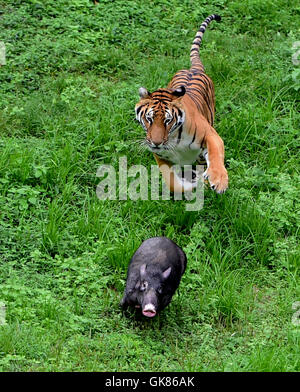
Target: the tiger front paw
(218, 178)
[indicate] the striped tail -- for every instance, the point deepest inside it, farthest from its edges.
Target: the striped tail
(194, 55)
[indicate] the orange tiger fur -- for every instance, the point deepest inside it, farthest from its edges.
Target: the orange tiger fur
(179, 123)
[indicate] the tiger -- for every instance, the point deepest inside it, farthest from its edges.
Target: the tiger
(178, 121)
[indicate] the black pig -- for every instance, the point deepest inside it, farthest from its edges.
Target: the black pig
(153, 275)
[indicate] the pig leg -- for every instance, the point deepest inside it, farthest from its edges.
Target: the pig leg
(123, 303)
(132, 284)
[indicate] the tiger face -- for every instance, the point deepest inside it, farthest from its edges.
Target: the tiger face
(160, 114)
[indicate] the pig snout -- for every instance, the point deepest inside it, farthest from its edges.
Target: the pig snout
(149, 304)
(149, 310)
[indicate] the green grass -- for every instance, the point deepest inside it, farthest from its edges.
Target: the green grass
(67, 97)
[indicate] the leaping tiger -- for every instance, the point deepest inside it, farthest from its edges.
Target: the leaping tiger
(179, 120)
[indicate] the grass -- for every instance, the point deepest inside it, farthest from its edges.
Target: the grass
(67, 100)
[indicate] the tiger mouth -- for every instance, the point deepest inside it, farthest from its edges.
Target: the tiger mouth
(158, 148)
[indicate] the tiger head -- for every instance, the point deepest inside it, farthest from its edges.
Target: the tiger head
(160, 113)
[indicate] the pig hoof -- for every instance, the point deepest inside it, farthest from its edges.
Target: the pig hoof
(123, 303)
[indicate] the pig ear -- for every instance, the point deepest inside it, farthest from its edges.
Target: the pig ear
(167, 272)
(137, 285)
(143, 270)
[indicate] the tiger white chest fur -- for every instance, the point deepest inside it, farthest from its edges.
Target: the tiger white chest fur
(182, 149)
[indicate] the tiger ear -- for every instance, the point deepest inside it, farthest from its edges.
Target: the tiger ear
(179, 92)
(144, 93)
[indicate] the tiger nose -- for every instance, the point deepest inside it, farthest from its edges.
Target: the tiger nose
(156, 144)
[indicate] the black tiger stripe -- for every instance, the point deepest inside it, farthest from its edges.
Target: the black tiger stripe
(184, 78)
(207, 104)
(175, 115)
(179, 134)
(139, 109)
(192, 139)
(194, 97)
(162, 102)
(162, 96)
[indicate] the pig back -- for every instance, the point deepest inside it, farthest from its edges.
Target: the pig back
(162, 252)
